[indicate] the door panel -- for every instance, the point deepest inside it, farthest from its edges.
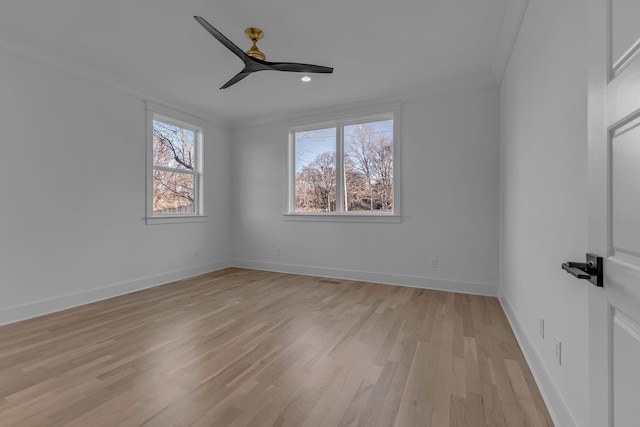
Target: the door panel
(623, 90)
(625, 153)
(625, 30)
(626, 375)
(614, 211)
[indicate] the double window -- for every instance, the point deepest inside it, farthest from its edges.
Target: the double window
(347, 167)
(174, 188)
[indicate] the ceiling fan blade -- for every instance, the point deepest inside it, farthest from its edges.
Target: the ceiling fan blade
(221, 38)
(298, 68)
(241, 75)
(253, 63)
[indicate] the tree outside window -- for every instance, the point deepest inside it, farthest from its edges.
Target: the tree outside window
(346, 168)
(173, 169)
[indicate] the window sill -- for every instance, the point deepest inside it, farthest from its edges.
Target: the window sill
(338, 217)
(175, 219)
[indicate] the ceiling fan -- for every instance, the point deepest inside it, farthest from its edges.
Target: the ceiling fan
(254, 59)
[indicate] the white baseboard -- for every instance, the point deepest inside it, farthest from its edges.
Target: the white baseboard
(368, 276)
(556, 405)
(39, 308)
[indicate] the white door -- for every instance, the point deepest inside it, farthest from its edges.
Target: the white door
(614, 211)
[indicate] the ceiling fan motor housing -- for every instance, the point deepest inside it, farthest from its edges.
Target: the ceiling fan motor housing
(253, 59)
(254, 35)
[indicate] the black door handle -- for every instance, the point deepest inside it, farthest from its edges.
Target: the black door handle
(577, 269)
(590, 270)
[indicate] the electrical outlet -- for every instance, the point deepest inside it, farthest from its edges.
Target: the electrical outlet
(542, 327)
(433, 262)
(277, 250)
(558, 351)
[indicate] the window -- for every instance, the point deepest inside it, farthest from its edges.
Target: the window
(344, 168)
(174, 187)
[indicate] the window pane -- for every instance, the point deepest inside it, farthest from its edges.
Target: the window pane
(173, 146)
(173, 192)
(368, 166)
(315, 184)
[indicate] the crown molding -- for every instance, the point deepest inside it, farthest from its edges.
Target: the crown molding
(513, 16)
(432, 89)
(121, 85)
(76, 69)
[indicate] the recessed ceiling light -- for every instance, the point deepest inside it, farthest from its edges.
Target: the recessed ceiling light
(306, 79)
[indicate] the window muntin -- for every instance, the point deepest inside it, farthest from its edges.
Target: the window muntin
(344, 168)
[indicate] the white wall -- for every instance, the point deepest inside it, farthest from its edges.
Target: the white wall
(72, 177)
(543, 125)
(450, 176)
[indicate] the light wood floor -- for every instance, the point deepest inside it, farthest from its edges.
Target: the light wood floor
(251, 348)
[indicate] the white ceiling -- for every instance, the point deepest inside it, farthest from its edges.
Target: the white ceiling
(378, 48)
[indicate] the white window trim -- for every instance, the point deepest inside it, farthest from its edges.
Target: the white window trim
(167, 115)
(339, 120)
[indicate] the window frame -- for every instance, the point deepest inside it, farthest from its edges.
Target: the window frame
(339, 120)
(165, 115)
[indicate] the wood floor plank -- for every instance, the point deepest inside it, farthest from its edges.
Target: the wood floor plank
(253, 348)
